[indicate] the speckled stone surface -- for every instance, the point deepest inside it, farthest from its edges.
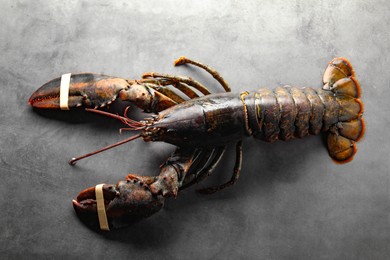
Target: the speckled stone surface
(291, 202)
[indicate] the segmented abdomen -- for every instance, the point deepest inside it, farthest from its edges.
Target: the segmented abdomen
(288, 112)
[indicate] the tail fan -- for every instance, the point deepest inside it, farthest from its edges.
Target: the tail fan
(339, 77)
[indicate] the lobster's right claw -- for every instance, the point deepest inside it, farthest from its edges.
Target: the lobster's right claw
(125, 203)
(85, 89)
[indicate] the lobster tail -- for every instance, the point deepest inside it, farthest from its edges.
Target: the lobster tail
(339, 78)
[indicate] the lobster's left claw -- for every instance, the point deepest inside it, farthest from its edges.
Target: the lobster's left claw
(127, 202)
(85, 89)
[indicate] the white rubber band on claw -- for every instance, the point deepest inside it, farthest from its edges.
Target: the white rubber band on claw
(101, 209)
(64, 91)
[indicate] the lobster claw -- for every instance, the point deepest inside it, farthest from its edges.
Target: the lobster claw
(126, 202)
(85, 89)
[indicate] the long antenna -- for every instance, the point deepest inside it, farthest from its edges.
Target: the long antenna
(74, 160)
(126, 120)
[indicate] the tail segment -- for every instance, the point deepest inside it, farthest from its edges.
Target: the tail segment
(339, 78)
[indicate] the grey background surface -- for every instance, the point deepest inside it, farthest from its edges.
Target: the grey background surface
(292, 201)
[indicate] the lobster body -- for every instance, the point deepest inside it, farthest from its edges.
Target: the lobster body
(202, 126)
(284, 113)
(269, 115)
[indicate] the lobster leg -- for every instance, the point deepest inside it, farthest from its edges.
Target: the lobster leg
(213, 72)
(210, 161)
(201, 162)
(235, 176)
(206, 172)
(186, 90)
(157, 83)
(181, 83)
(183, 60)
(169, 93)
(193, 83)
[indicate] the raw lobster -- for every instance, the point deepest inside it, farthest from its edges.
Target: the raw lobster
(201, 124)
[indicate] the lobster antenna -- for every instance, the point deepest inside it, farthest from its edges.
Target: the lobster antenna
(126, 120)
(74, 160)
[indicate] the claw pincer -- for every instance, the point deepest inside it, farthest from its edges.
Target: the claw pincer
(201, 125)
(137, 197)
(85, 89)
(126, 202)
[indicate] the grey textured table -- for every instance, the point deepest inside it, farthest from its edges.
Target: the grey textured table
(291, 202)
